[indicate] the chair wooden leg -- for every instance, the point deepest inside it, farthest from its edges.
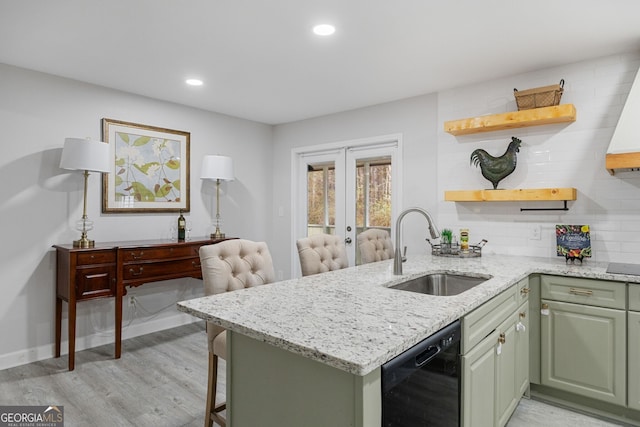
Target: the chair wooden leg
(211, 411)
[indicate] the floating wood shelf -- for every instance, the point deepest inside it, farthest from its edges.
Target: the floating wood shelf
(564, 113)
(625, 161)
(524, 194)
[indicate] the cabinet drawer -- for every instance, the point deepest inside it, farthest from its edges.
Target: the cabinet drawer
(146, 254)
(634, 297)
(598, 293)
(162, 270)
(94, 282)
(96, 257)
(484, 319)
(523, 289)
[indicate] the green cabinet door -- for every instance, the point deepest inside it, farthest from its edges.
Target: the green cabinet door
(506, 397)
(634, 360)
(583, 350)
(478, 383)
(512, 364)
(522, 350)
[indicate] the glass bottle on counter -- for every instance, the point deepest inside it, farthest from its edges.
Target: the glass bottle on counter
(464, 240)
(182, 226)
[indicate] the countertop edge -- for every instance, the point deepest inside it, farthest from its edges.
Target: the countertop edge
(461, 305)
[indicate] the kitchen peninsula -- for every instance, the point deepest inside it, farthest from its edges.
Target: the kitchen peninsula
(308, 351)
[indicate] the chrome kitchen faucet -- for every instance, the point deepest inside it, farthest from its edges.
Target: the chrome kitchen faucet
(397, 260)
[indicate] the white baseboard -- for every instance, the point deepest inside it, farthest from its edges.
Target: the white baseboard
(44, 352)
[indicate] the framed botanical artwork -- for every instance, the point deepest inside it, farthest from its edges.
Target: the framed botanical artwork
(149, 169)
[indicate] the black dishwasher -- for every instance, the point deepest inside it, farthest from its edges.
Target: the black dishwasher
(421, 387)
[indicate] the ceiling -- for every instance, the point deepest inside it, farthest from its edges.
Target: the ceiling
(260, 61)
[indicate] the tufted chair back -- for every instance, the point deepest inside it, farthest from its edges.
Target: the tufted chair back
(321, 253)
(228, 266)
(231, 265)
(375, 245)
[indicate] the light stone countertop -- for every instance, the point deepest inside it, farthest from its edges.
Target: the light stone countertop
(348, 318)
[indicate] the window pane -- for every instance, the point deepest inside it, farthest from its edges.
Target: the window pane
(380, 195)
(321, 199)
(331, 196)
(315, 197)
(360, 208)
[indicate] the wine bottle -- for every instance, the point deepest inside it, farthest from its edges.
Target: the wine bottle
(182, 223)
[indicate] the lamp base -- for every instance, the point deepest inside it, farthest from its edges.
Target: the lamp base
(84, 243)
(217, 235)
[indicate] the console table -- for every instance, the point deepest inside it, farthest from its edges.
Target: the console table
(106, 269)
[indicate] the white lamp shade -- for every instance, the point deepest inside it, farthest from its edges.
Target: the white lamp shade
(217, 167)
(85, 154)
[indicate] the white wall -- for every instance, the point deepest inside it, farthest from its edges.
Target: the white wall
(563, 155)
(414, 118)
(40, 203)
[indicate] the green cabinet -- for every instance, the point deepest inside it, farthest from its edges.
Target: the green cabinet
(512, 365)
(583, 342)
(633, 356)
(495, 370)
(478, 383)
(522, 349)
(271, 387)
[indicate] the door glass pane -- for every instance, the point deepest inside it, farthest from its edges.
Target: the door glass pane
(321, 203)
(360, 194)
(330, 227)
(373, 195)
(380, 195)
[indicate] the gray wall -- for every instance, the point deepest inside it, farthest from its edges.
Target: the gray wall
(414, 118)
(41, 202)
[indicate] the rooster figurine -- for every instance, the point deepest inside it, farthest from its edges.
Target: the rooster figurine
(495, 169)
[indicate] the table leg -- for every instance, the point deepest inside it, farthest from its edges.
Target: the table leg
(58, 325)
(72, 333)
(118, 326)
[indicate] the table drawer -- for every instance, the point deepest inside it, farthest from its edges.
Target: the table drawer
(145, 254)
(598, 293)
(162, 270)
(96, 257)
(634, 297)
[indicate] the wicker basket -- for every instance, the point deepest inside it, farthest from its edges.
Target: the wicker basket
(545, 96)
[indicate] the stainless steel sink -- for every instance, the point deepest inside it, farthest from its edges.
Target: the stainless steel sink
(441, 284)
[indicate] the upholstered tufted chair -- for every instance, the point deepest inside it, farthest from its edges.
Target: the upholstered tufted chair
(375, 245)
(321, 253)
(228, 266)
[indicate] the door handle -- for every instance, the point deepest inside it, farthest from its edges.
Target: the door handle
(347, 240)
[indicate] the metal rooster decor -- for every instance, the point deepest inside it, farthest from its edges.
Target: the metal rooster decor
(495, 169)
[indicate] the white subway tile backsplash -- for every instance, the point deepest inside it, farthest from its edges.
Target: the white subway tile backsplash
(564, 155)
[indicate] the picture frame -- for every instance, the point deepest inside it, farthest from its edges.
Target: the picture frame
(150, 169)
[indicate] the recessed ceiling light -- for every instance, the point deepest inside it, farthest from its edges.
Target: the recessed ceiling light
(194, 82)
(324, 29)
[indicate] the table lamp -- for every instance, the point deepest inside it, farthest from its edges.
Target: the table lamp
(86, 155)
(218, 168)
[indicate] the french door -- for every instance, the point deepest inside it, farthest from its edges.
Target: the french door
(344, 189)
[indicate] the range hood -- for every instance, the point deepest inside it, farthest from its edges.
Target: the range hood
(623, 153)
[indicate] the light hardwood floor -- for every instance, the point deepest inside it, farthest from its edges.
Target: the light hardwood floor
(160, 381)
